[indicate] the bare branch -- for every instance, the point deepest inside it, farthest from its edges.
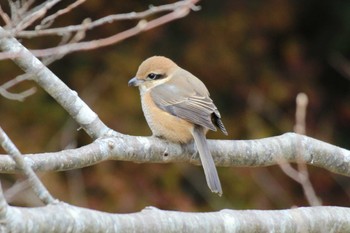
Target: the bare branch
(226, 153)
(300, 128)
(33, 179)
(66, 218)
(300, 113)
(5, 17)
(35, 14)
(22, 7)
(110, 19)
(17, 96)
(47, 22)
(15, 189)
(15, 81)
(15, 12)
(301, 175)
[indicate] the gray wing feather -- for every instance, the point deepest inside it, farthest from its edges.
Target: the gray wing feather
(191, 102)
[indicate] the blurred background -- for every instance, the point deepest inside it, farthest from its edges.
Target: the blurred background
(254, 56)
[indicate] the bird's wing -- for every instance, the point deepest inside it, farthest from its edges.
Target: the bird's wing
(186, 97)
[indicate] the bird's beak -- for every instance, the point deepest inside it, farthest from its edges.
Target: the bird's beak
(134, 82)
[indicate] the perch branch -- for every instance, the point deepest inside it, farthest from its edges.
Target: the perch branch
(226, 153)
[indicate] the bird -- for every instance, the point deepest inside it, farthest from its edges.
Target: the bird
(177, 107)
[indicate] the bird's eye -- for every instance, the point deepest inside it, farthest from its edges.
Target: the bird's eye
(154, 76)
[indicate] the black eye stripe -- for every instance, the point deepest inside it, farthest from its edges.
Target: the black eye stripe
(154, 76)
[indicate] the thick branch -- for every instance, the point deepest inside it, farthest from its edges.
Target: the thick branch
(66, 218)
(246, 153)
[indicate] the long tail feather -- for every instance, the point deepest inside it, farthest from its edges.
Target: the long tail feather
(208, 164)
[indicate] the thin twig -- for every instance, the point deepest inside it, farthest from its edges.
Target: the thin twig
(24, 7)
(47, 22)
(301, 175)
(35, 14)
(15, 81)
(300, 113)
(110, 19)
(33, 179)
(14, 11)
(17, 96)
(5, 17)
(300, 128)
(16, 189)
(80, 35)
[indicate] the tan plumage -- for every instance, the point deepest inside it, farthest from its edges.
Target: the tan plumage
(177, 107)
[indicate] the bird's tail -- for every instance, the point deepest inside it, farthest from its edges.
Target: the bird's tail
(208, 164)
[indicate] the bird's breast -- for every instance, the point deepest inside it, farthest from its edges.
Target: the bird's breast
(164, 124)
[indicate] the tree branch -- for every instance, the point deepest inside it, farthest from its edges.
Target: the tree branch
(301, 174)
(36, 13)
(46, 22)
(226, 153)
(65, 218)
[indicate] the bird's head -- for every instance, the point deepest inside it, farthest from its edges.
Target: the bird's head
(153, 72)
